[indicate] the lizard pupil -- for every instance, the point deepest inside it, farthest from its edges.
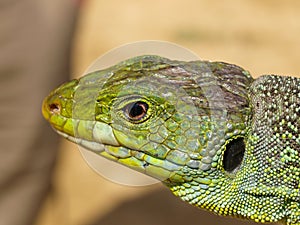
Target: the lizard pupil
(137, 110)
(233, 154)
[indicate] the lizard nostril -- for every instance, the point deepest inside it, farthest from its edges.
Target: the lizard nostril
(54, 108)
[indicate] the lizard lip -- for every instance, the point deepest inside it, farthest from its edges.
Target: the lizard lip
(93, 135)
(92, 145)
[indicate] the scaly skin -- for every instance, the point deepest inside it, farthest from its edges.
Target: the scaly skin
(216, 137)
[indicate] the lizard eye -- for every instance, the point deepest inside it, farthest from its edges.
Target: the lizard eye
(136, 111)
(233, 155)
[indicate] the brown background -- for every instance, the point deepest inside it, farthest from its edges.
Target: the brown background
(260, 36)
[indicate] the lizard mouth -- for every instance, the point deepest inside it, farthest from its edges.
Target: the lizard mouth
(91, 145)
(89, 134)
(92, 135)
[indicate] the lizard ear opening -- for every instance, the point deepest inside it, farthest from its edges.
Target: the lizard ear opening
(234, 154)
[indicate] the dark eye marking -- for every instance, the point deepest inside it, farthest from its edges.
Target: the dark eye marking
(136, 111)
(233, 155)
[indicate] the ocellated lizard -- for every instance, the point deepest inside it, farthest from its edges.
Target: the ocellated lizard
(215, 136)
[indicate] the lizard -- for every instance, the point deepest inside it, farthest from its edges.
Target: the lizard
(215, 136)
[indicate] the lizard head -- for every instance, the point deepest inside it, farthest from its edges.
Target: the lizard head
(158, 116)
(183, 123)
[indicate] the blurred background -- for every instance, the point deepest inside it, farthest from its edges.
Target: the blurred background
(260, 36)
